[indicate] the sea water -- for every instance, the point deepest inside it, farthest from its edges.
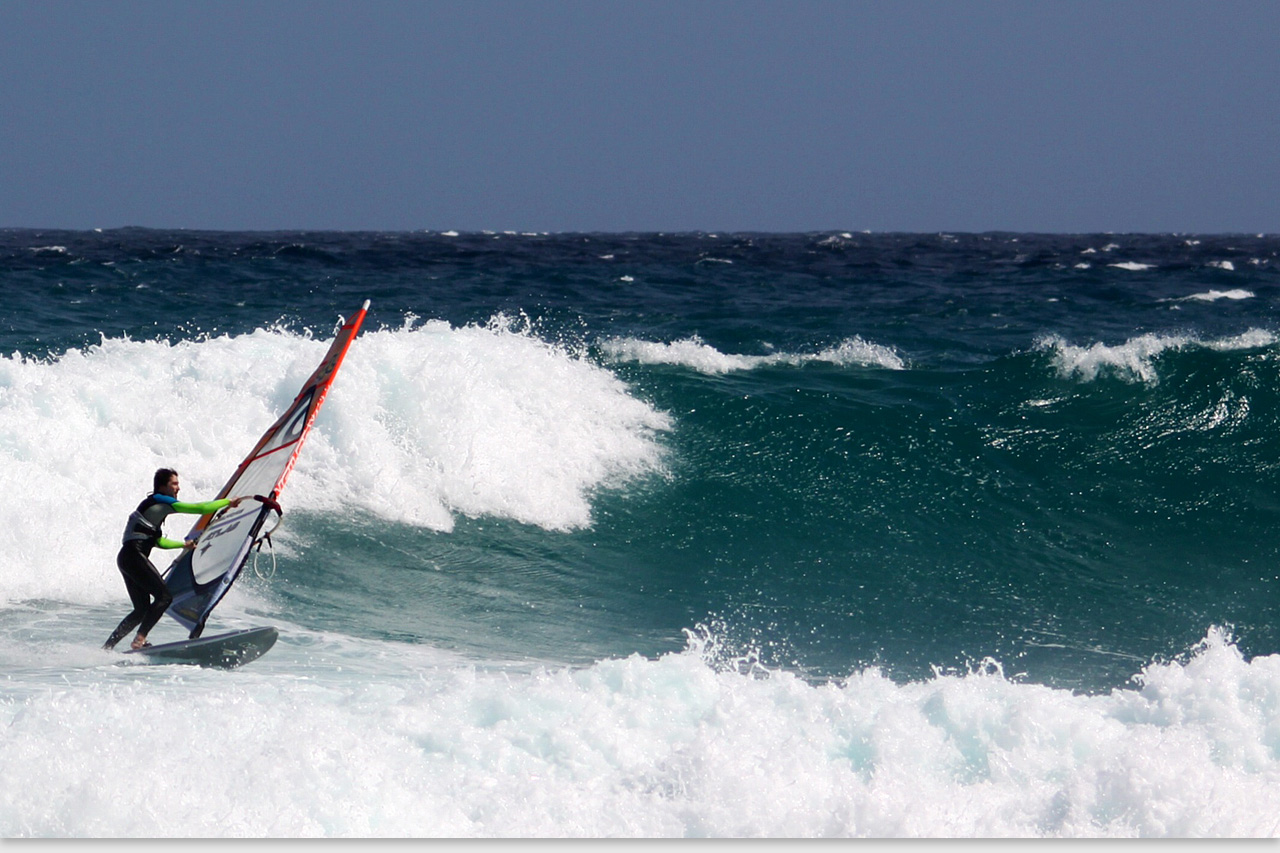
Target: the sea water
(646, 535)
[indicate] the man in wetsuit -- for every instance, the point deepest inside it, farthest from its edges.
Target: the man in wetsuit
(141, 534)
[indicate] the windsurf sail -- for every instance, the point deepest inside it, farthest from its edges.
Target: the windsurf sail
(200, 577)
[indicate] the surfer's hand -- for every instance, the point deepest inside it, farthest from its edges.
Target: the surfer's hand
(235, 502)
(190, 543)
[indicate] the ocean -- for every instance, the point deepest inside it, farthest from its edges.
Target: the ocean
(656, 535)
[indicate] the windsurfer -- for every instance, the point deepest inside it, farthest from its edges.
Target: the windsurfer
(141, 534)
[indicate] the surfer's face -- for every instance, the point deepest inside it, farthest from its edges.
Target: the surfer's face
(171, 487)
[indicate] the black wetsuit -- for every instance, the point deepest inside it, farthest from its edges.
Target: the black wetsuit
(141, 579)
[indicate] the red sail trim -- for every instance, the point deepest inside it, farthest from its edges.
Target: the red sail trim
(318, 384)
(320, 381)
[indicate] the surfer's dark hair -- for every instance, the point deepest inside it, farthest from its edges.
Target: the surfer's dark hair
(161, 479)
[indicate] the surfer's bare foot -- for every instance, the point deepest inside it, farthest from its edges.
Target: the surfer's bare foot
(139, 642)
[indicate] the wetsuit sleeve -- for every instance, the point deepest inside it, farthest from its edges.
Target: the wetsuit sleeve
(200, 508)
(163, 542)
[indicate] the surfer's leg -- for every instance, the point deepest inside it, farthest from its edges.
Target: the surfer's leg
(126, 625)
(163, 598)
(144, 584)
(137, 594)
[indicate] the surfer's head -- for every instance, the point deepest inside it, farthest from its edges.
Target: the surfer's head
(165, 482)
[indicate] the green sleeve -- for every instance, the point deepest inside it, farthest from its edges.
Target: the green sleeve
(162, 542)
(200, 508)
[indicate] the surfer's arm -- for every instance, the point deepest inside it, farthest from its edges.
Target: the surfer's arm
(164, 542)
(205, 508)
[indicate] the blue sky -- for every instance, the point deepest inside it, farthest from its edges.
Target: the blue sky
(642, 116)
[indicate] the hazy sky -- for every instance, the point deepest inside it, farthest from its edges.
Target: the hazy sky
(631, 115)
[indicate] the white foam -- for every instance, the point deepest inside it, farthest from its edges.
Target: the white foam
(673, 747)
(423, 423)
(482, 420)
(694, 353)
(856, 351)
(1132, 266)
(1134, 360)
(1223, 265)
(1215, 295)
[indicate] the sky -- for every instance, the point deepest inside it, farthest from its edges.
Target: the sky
(643, 115)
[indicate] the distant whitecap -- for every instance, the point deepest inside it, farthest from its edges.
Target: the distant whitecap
(694, 353)
(1215, 295)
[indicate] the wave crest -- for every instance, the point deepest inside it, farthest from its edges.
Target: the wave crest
(694, 353)
(1134, 360)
